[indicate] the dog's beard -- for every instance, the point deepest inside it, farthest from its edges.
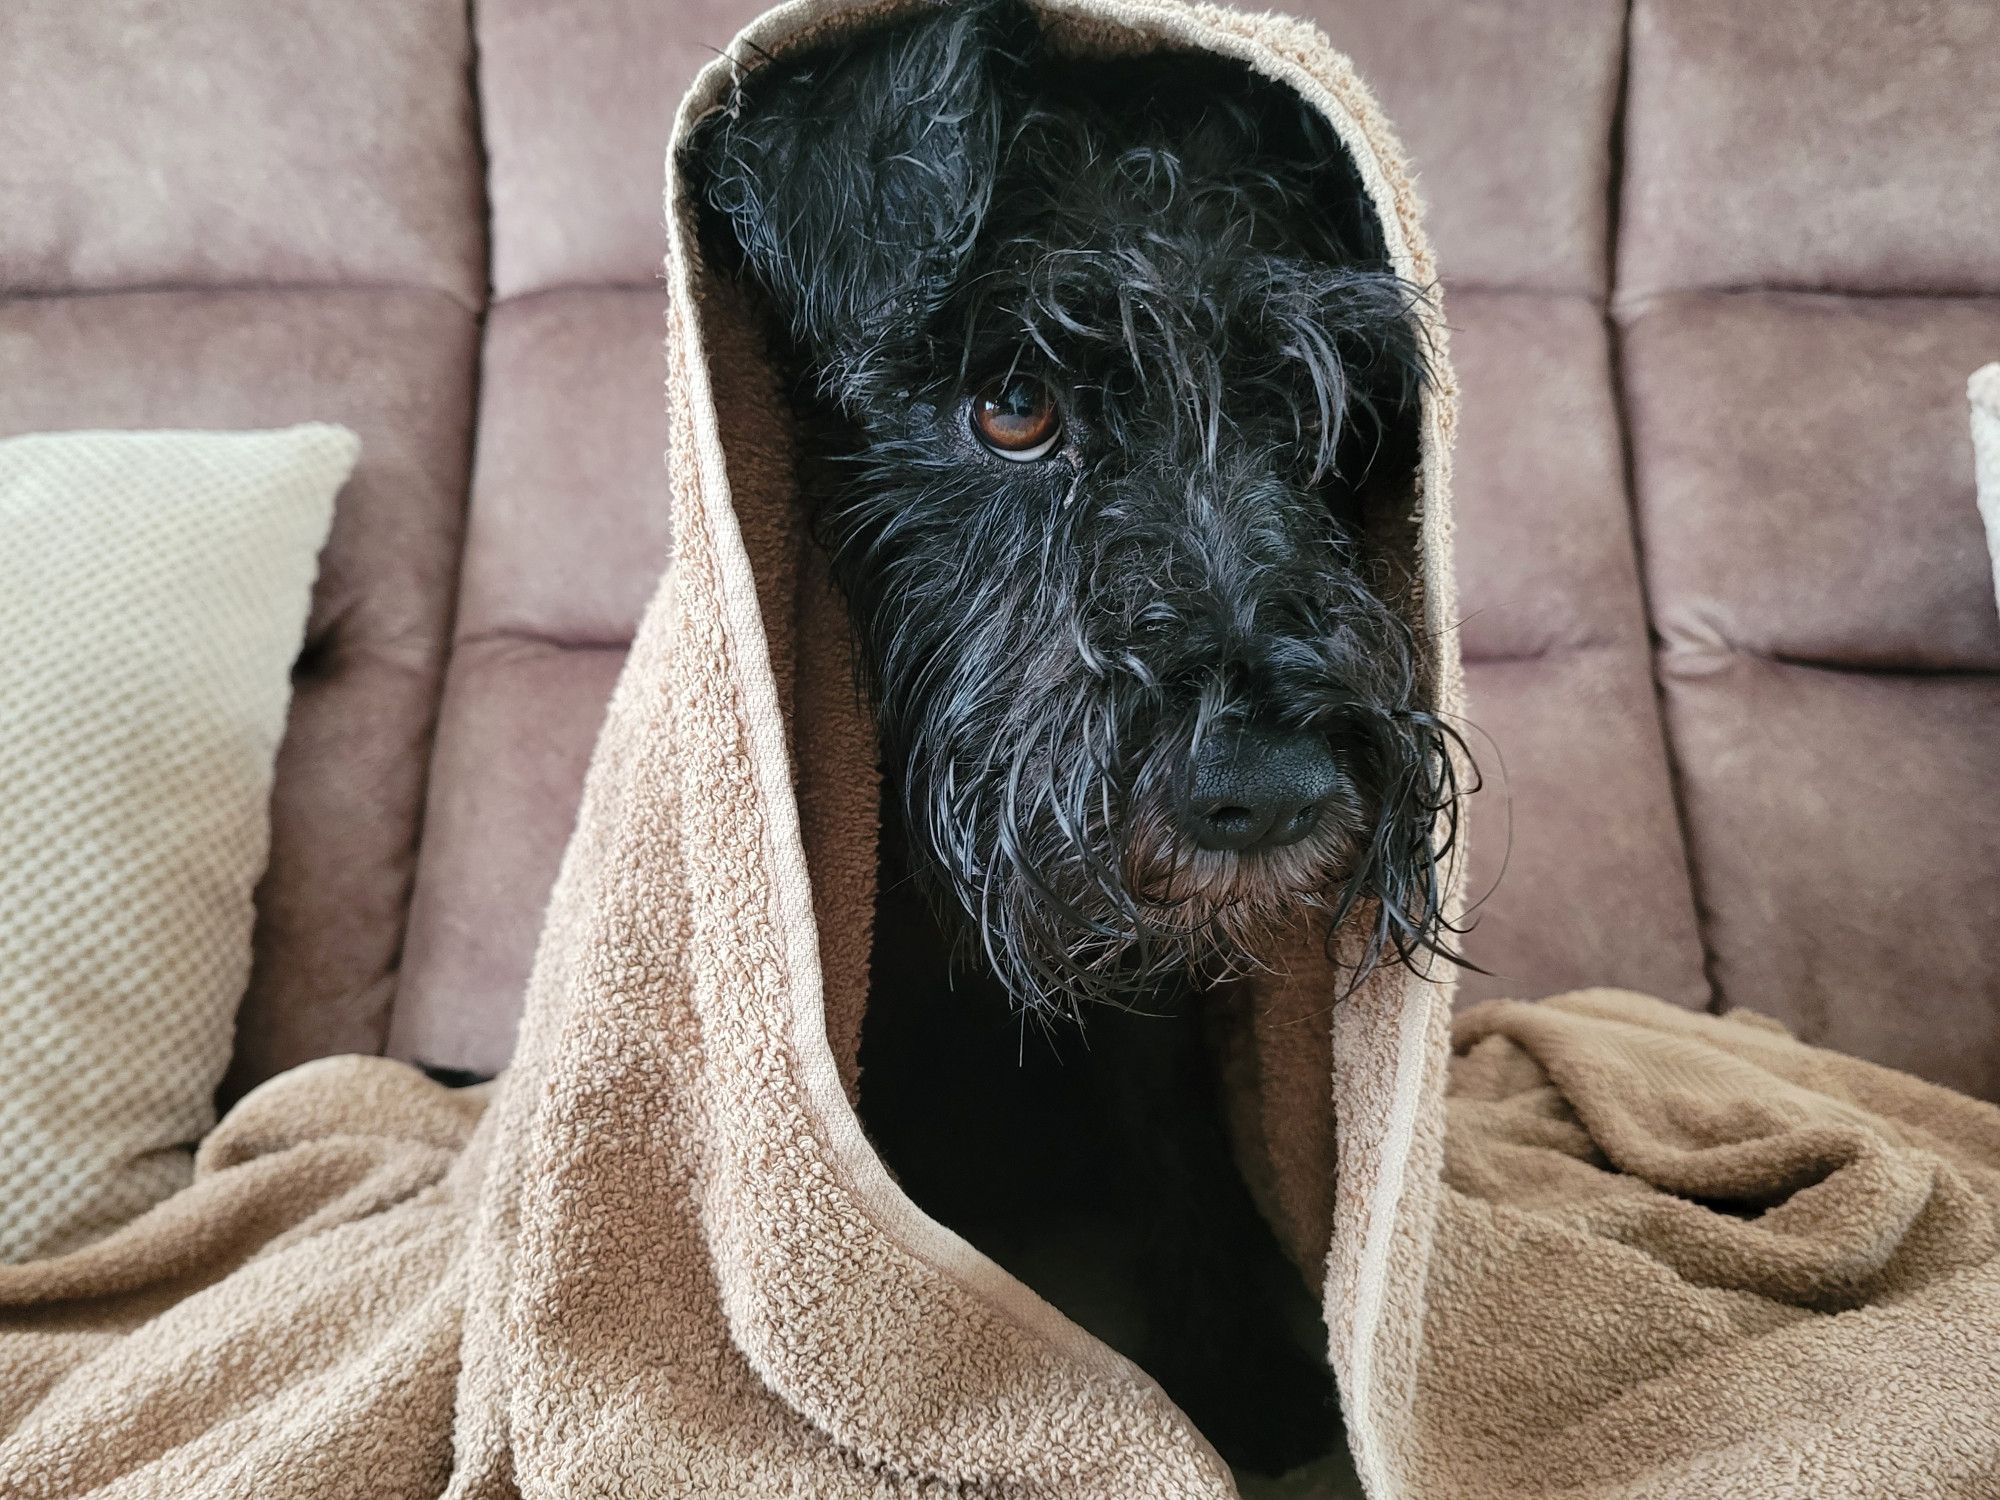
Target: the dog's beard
(1041, 812)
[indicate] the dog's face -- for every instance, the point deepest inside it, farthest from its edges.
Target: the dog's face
(1110, 357)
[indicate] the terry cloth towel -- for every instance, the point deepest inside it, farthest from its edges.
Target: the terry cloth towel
(664, 1261)
(1685, 1256)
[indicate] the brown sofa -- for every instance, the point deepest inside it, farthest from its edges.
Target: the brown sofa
(1717, 273)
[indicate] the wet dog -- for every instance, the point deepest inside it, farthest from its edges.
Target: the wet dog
(1097, 366)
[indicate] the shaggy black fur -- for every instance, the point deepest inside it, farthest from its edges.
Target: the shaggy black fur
(1166, 266)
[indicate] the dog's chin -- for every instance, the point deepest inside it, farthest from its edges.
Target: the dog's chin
(1202, 938)
(1252, 892)
(1226, 911)
(1190, 918)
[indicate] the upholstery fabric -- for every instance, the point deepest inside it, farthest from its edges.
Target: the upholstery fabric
(578, 101)
(1832, 702)
(1807, 265)
(236, 141)
(1554, 634)
(1509, 112)
(1815, 144)
(1833, 815)
(565, 540)
(516, 730)
(153, 592)
(1784, 437)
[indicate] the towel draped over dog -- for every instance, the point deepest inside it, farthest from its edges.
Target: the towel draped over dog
(1595, 1247)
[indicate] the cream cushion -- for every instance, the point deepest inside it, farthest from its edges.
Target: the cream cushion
(1984, 389)
(153, 595)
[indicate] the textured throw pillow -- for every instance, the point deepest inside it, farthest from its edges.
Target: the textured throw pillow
(1984, 389)
(153, 595)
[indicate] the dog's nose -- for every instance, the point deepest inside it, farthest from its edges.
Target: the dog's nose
(1258, 790)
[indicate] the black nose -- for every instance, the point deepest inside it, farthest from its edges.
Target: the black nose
(1258, 790)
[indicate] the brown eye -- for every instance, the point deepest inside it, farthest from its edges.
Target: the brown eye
(1016, 417)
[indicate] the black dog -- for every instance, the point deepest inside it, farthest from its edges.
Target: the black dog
(1100, 363)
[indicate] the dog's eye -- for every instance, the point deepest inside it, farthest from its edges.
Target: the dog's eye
(1016, 417)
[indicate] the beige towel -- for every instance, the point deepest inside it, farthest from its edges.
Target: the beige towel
(1690, 1257)
(665, 1261)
